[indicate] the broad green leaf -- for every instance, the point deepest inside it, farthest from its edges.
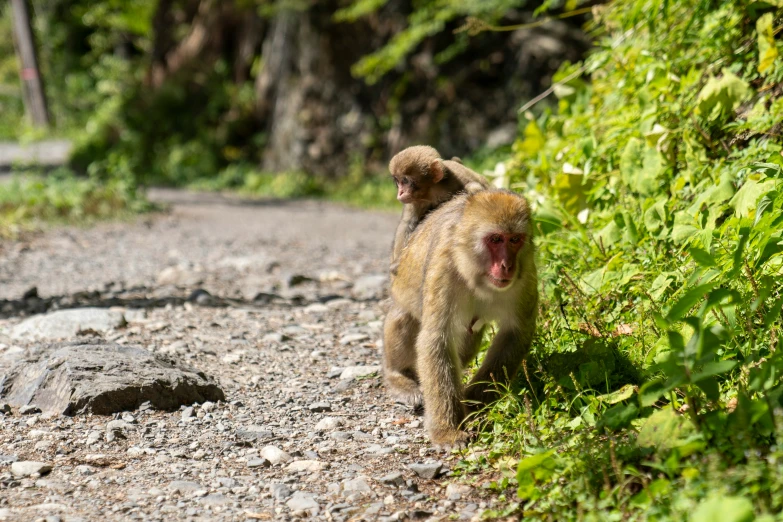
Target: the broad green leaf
(640, 166)
(618, 395)
(723, 508)
(713, 368)
(744, 201)
(532, 462)
(651, 391)
(631, 233)
(659, 285)
(665, 429)
(701, 256)
(571, 191)
(618, 416)
(768, 51)
(684, 227)
(609, 235)
(655, 217)
(721, 96)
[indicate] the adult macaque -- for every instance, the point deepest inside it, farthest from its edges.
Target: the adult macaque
(424, 181)
(470, 262)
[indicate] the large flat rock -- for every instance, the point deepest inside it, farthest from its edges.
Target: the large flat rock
(67, 324)
(103, 378)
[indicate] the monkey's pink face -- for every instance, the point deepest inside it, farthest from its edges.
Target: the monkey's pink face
(503, 249)
(407, 190)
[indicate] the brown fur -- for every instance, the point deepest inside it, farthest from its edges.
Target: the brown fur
(422, 166)
(440, 291)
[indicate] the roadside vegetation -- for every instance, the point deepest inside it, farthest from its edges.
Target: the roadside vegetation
(653, 391)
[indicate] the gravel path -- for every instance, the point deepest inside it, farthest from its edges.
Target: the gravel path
(282, 303)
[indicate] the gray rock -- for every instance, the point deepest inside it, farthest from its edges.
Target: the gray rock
(93, 437)
(103, 378)
(5, 408)
(188, 413)
(354, 338)
(427, 470)
(215, 499)
(370, 286)
(274, 338)
(184, 486)
(393, 479)
(66, 324)
(352, 372)
(359, 484)
(275, 455)
(7, 459)
(318, 407)
(328, 423)
(306, 465)
(29, 409)
(334, 373)
(26, 468)
(457, 491)
(280, 491)
(303, 501)
(254, 432)
(116, 429)
(258, 463)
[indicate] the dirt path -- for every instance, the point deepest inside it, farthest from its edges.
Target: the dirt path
(281, 303)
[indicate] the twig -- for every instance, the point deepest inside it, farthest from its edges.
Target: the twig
(551, 89)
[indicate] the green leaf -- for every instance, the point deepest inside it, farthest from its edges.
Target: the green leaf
(723, 508)
(571, 191)
(768, 51)
(701, 256)
(655, 217)
(651, 391)
(640, 166)
(713, 368)
(744, 201)
(618, 416)
(688, 301)
(710, 388)
(534, 461)
(665, 429)
(618, 395)
(609, 235)
(721, 96)
(773, 313)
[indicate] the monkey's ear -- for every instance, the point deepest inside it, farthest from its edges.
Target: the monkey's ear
(437, 170)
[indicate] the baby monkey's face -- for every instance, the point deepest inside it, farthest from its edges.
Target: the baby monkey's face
(412, 187)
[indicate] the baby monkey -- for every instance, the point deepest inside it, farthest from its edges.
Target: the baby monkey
(425, 181)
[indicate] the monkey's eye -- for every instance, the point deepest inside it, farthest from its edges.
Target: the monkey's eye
(405, 181)
(515, 240)
(496, 238)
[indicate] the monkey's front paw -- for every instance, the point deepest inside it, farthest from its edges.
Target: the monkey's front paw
(447, 440)
(413, 400)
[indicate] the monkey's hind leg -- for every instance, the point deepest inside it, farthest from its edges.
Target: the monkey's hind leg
(399, 356)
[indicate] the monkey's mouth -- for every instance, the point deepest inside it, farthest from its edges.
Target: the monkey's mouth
(499, 283)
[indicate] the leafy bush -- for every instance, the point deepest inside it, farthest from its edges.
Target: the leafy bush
(659, 211)
(31, 198)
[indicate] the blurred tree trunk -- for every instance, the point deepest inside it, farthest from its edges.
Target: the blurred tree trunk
(32, 84)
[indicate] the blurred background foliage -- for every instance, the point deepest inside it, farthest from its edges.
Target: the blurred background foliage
(652, 159)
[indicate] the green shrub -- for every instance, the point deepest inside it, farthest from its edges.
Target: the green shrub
(657, 189)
